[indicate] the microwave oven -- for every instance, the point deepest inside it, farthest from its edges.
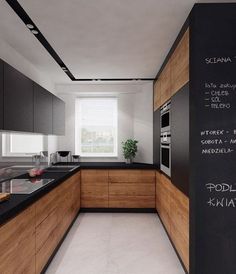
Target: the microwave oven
(165, 117)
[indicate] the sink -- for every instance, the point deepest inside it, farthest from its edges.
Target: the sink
(60, 168)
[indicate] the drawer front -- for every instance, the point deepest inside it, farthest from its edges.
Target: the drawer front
(44, 229)
(17, 241)
(131, 176)
(132, 189)
(116, 201)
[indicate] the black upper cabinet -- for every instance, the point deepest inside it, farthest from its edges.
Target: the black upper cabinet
(156, 138)
(180, 139)
(58, 116)
(18, 101)
(42, 110)
(1, 94)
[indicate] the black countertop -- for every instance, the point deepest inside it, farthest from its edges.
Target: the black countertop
(109, 165)
(19, 202)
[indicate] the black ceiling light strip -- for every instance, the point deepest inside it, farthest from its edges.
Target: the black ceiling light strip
(14, 4)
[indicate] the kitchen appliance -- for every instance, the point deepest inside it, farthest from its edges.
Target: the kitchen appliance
(23, 186)
(165, 117)
(165, 153)
(64, 156)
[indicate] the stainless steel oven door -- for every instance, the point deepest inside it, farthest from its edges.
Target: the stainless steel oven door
(165, 117)
(166, 158)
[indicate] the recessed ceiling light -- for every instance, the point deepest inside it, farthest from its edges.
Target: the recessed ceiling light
(34, 31)
(29, 26)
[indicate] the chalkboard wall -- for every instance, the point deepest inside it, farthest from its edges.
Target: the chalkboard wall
(213, 139)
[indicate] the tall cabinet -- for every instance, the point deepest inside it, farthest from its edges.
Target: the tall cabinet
(1, 93)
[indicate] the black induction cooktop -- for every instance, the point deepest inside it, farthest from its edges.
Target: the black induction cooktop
(23, 186)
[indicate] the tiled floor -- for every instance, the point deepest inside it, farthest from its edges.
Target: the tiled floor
(116, 243)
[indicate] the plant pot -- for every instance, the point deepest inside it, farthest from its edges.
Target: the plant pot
(129, 161)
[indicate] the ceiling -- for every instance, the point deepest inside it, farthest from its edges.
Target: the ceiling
(97, 39)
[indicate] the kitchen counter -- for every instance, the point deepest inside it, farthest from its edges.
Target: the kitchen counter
(19, 202)
(109, 165)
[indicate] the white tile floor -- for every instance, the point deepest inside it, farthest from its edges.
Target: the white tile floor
(116, 243)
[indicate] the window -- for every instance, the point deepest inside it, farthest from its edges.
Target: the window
(21, 145)
(96, 127)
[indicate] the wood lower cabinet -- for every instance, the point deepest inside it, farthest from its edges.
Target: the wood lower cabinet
(94, 188)
(54, 214)
(131, 189)
(28, 240)
(173, 208)
(17, 244)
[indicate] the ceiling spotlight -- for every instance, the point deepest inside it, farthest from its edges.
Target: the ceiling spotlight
(29, 26)
(34, 31)
(64, 68)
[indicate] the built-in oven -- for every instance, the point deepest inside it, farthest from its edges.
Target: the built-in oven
(165, 153)
(165, 117)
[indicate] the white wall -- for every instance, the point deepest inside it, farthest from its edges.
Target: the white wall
(134, 116)
(143, 123)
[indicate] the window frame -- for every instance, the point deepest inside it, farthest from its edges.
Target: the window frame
(6, 146)
(78, 129)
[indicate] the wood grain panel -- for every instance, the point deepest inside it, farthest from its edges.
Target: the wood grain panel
(173, 208)
(44, 229)
(165, 83)
(129, 176)
(157, 95)
(46, 205)
(17, 244)
(132, 189)
(94, 188)
(180, 64)
(179, 215)
(120, 201)
(46, 251)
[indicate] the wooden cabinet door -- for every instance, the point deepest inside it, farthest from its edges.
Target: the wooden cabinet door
(131, 189)
(180, 64)
(58, 116)
(17, 241)
(18, 101)
(157, 95)
(1, 94)
(179, 217)
(165, 84)
(94, 188)
(42, 110)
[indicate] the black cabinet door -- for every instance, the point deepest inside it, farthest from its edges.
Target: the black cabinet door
(58, 116)
(180, 139)
(156, 138)
(42, 110)
(18, 101)
(1, 94)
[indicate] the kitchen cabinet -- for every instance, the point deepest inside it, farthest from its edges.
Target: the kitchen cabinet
(180, 139)
(29, 239)
(179, 63)
(165, 83)
(42, 110)
(94, 188)
(131, 188)
(1, 94)
(54, 214)
(18, 101)
(156, 137)
(58, 116)
(17, 242)
(173, 208)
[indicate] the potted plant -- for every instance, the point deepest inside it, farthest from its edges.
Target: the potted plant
(129, 150)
